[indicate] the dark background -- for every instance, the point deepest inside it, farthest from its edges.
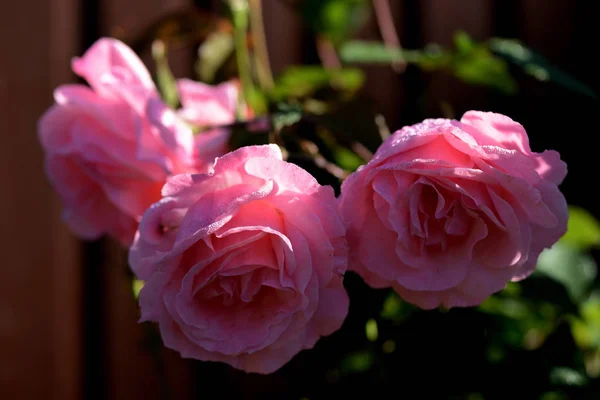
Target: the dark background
(67, 318)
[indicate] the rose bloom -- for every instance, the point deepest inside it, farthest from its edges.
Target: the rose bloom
(243, 265)
(206, 106)
(447, 212)
(109, 148)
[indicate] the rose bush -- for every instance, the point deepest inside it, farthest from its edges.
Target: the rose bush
(447, 212)
(243, 265)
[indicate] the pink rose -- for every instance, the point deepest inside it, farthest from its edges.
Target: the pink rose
(243, 265)
(209, 106)
(110, 148)
(448, 212)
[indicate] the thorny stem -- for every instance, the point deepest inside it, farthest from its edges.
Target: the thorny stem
(384, 130)
(239, 11)
(327, 53)
(313, 150)
(383, 13)
(257, 28)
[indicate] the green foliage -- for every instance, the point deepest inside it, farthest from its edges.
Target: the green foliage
(537, 66)
(288, 114)
(371, 330)
(136, 287)
(347, 159)
(304, 81)
(359, 361)
(586, 326)
(572, 268)
(474, 63)
(470, 62)
(395, 309)
(583, 230)
(567, 376)
(164, 77)
(366, 52)
(521, 322)
(335, 19)
(212, 54)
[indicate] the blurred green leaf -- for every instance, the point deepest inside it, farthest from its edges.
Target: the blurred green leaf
(518, 321)
(463, 42)
(586, 328)
(286, 115)
(570, 267)
(583, 231)
(471, 62)
(475, 64)
(359, 361)
(164, 77)
(358, 51)
(567, 376)
(388, 347)
(257, 100)
(347, 159)
(335, 19)
(212, 54)
(136, 287)
(537, 66)
(302, 81)
(553, 396)
(395, 309)
(370, 52)
(371, 330)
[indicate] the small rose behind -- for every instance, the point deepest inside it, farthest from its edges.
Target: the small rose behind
(109, 148)
(243, 265)
(447, 212)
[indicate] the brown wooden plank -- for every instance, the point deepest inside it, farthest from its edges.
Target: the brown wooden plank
(40, 284)
(384, 86)
(285, 35)
(440, 19)
(132, 369)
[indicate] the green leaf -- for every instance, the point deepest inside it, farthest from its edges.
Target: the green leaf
(287, 115)
(371, 330)
(472, 62)
(335, 19)
(586, 328)
(463, 42)
(358, 51)
(136, 287)
(475, 64)
(359, 361)
(369, 52)
(553, 396)
(213, 53)
(302, 81)
(347, 159)
(567, 376)
(583, 230)
(164, 77)
(574, 269)
(395, 309)
(537, 66)
(257, 100)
